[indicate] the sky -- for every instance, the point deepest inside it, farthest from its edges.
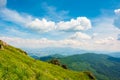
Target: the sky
(80, 24)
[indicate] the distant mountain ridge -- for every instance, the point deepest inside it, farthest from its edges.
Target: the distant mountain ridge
(54, 50)
(103, 66)
(49, 57)
(15, 64)
(65, 51)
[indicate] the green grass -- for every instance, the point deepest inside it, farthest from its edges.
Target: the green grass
(16, 65)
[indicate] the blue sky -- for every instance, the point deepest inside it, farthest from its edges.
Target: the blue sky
(83, 24)
(75, 8)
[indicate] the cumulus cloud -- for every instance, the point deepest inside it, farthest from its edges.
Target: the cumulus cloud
(26, 20)
(117, 19)
(79, 35)
(117, 11)
(81, 23)
(43, 25)
(98, 41)
(3, 3)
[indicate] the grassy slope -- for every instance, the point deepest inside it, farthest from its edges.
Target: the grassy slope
(15, 65)
(103, 66)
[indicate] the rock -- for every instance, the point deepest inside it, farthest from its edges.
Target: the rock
(2, 44)
(1, 47)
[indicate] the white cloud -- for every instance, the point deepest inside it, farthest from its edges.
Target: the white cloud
(106, 44)
(3, 3)
(15, 32)
(103, 28)
(40, 43)
(105, 40)
(41, 25)
(117, 11)
(15, 17)
(79, 35)
(81, 23)
(27, 21)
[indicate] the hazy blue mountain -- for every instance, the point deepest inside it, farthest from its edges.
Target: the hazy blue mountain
(40, 52)
(51, 51)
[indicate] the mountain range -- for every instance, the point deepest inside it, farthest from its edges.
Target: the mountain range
(103, 66)
(54, 50)
(65, 51)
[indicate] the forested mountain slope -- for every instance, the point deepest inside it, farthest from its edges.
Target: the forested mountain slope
(103, 66)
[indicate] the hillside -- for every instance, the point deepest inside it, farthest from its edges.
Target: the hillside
(104, 67)
(15, 64)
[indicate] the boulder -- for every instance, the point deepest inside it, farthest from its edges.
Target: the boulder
(1, 47)
(2, 44)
